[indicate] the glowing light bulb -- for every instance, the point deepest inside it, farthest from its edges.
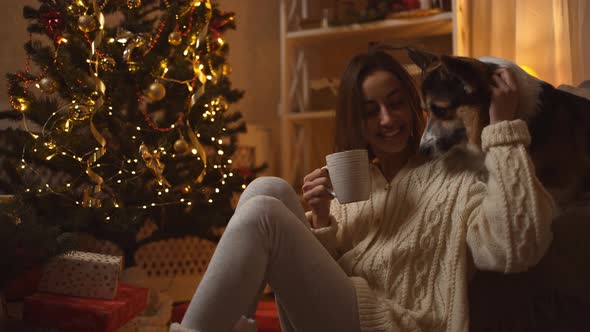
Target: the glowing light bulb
(529, 70)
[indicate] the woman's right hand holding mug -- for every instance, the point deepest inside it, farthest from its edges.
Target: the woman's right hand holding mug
(317, 192)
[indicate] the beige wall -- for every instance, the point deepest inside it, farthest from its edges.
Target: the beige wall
(254, 57)
(13, 34)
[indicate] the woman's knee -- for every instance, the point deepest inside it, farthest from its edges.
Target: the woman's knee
(259, 209)
(262, 212)
(268, 186)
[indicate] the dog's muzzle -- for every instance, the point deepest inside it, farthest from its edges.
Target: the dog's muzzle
(425, 149)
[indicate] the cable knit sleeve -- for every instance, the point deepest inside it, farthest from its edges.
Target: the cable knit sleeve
(326, 235)
(336, 238)
(509, 225)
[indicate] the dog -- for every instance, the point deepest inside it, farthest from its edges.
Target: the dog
(555, 294)
(456, 94)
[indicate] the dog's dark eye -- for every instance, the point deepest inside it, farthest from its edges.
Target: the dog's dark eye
(439, 112)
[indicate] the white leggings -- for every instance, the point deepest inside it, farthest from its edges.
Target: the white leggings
(268, 240)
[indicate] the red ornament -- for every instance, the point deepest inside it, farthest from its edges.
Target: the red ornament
(244, 172)
(217, 24)
(53, 23)
(397, 7)
(412, 4)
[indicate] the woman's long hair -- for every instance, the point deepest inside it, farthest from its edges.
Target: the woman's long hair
(349, 112)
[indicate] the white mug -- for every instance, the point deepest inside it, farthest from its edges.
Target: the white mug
(349, 174)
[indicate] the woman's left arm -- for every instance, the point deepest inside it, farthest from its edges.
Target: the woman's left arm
(509, 227)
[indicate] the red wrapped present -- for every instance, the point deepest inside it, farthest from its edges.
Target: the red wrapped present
(267, 317)
(25, 285)
(74, 314)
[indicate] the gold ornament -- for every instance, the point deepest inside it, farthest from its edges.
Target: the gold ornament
(107, 64)
(131, 4)
(80, 112)
(95, 95)
(133, 67)
(226, 69)
(21, 104)
(133, 44)
(175, 38)
(86, 23)
(156, 91)
(181, 146)
(47, 85)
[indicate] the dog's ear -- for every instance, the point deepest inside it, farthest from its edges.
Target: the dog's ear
(421, 58)
(470, 71)
(455, 64)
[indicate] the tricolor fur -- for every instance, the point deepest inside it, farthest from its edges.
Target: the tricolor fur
(456, 93)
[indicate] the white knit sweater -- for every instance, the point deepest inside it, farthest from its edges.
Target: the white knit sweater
(410, 247)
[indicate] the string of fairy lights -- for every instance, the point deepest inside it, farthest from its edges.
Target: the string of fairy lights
(82, 108)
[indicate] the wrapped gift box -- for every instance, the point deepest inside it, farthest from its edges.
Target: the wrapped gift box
(266, 316)
(80, 273)
(75, 314)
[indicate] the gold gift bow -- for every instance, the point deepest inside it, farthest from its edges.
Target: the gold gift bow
(152, 161)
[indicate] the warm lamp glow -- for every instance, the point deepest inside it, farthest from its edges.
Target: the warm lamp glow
(529, 70)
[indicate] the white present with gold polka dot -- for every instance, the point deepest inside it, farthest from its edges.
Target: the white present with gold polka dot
(83, 274)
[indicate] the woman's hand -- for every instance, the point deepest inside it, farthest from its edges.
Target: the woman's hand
(504, 96)
(317, 193)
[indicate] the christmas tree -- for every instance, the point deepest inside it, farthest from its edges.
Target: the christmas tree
(125, 112)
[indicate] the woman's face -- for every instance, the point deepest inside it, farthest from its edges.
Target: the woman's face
(387, 114)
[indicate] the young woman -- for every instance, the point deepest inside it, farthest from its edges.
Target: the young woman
(399, 261)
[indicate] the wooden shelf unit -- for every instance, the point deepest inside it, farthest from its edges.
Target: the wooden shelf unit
(406, 28)
(306, 129)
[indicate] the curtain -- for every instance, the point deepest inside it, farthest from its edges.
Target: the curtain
(550, 36)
